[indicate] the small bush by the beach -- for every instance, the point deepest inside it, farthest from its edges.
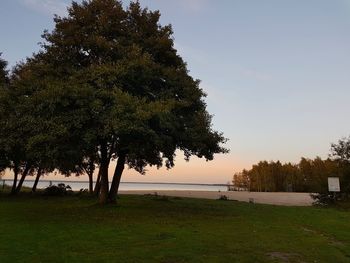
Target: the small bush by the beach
(83, 191)
(329, 198)
(223, 198)
(57, 190)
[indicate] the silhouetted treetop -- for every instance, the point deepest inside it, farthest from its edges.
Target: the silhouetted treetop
(3, 71)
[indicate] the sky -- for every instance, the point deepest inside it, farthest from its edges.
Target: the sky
(277, 74)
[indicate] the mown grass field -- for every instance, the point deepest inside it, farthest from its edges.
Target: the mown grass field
(149, 229)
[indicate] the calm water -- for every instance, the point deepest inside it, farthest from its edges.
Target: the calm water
(77, 185)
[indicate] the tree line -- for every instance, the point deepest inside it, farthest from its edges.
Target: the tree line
(309, 175)
(107, 84)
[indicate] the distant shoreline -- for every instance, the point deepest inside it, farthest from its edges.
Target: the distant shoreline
(160, 183)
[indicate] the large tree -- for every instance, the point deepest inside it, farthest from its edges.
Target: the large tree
(120, 88)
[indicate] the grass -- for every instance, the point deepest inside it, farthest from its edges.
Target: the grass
(149, 229)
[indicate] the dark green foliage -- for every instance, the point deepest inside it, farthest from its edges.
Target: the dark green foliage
(223, 198)
(341, 153)
(109, 84)
(341, 150)
(57, 190)
(3, 72)
(330, 198)
(128, 61)
(306, 176)
(4, 163)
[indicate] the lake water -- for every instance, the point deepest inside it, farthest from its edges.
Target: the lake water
(131, 186)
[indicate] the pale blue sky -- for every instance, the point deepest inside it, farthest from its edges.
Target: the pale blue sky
(277, 72)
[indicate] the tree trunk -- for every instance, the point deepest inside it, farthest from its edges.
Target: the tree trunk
(24, 175)
(15, 178)
(113, 192)
(38, 175)
(91, 176)
(104, 185)
(98, 183)
(103, 195)
(91, 187)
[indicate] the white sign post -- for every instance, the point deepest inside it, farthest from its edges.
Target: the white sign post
(333, 184)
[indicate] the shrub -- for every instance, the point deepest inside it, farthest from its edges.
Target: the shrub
(223, 198)
(83, 191)
(329, 198)
(57, 190)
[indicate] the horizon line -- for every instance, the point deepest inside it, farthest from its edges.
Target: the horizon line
(161, 183)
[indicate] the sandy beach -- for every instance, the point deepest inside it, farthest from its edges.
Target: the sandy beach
(284, 199)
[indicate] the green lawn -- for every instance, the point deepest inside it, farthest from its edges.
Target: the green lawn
(146, 229)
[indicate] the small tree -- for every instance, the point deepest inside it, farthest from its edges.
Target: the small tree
(341, 153)
(341, 150)
(13, 134)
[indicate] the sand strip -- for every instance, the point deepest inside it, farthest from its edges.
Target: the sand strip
(285, 199)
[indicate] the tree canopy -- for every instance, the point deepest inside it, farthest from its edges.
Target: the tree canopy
(309, 175)
(341, 153)
(3, 71)
(341, 150)
(109, 84)
(3, 81)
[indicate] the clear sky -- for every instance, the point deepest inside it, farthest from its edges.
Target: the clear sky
(277, 73)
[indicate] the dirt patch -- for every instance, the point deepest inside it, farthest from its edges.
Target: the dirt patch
(309, 230)
(331, 240)
(284, 257)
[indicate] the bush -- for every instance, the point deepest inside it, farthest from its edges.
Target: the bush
(329, 198)
(83, 191)
(223, 198)
(57, 190)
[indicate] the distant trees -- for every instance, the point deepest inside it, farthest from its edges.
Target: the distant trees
(107, 85)
(306, 176)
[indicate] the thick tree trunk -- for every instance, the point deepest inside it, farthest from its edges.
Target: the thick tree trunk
(24, 175)
(113, 192)
(103, 195)
(91, 186)
(38, 175)
(15, 178)
(98, 183)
